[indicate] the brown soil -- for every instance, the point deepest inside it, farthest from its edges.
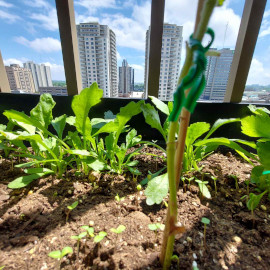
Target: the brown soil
(33, 221)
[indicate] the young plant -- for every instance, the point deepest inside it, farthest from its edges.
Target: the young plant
(98, 238)
(155, 227)
(90, 230)
(215, 183)
(60, 254)
(203, 188)
(118, 230)
(71, 208)
(206, 222)
(78, 238)
(235, 180)
(118, 199)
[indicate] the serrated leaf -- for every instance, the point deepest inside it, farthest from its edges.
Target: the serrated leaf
(157, 189)
(256, 126)
(163, 107)
(43, 111)
(152, 118)
(59, 124)
(195, 131)
(81, 105)
(263, 150)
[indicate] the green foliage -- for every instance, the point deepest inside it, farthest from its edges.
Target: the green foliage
(59, 254)
(79, 237)
(156, 226)
(98, 238)
(90, 230)
(205, 220)
(203, 188)
(73, 206)
(119, 229)
(157, 189)
(254, 200)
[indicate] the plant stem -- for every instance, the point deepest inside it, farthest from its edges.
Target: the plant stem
(176, 157)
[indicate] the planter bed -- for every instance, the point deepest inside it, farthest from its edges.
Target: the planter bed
(33, 221)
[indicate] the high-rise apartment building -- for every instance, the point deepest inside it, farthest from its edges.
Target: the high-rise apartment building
(170, 60)
(126, 79)
(217, 74)
(97, 48)
(20, 78)
(41, 74)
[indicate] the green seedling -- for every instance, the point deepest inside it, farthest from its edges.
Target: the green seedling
(2, 267)
(215, 183)
(118, 199)
(253, 202)
(155, 227)
(175, 258)
(71, 208)
(139, 187)
(189, 180)
(98, 238)
(236, 181)
(183, 179)
(203, 188)
(78, 238)
(90, 230)
(119, 229)
(59, 254)
(247, 182)
(206, 222)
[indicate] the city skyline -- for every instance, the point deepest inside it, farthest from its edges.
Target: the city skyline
(30, 31)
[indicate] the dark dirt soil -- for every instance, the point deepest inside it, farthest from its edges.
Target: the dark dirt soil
(33, 221)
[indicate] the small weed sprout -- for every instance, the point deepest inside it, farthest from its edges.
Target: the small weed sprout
(59, 254)
(139, 187)
(98, 238)
(78, 238)
(90, 230)
(118, 199)
(183, 179)
(236, 181)
(175, 258)
(206, 222)
(189, 180)
(203, 188)
(215, 183)
(155, 227)
(70, 208)
(118, 230)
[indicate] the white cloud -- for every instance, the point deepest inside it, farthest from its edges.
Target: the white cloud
(37, 3)
(48, 21)
(93, 5)
(138, 72)
(258, 73)
(8, 17)
(57, 71)
(9, 61)
(5, 4)
(265, 27)
(137, 67)
(41, 44)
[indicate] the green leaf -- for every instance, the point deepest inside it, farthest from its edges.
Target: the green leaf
(23, 118)
(133, 163)
(108, 128)
(195, 131)
(152, 118)
(204, 189)
(119, 229)
(22, 136)
(220, 2)
(134, 171)
(219, 123)
(73, 206)
(71, 120)
(81, 105)
(90, 230)
(146, 180)
(97, 165)
(25, 180)
(99, 237)
(163, 107)
(56, 254)
(29, 128)
(256, 126)
(225, 142)
(130, 137)
(3, 127)
(109, 115)
(38, 170)
(157, 189)
(43, 111)
(264, 154)
(205, 220)
(254, 200)
(78, 152)
(65, 251)
(256, 110)
(59, 124)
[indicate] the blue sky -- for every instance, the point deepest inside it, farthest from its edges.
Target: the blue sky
(29, 30)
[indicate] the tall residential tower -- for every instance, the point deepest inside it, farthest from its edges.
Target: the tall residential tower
(126, 80)
(217, 74)
(97, 48)
(170, 60)
(41, 74)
